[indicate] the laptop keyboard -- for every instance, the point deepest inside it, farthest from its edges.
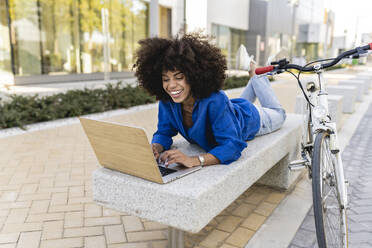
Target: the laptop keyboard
(165, 171)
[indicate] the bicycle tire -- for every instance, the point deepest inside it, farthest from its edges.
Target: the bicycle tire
(330, 216)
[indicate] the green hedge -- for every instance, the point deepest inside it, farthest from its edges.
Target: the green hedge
(23, 110)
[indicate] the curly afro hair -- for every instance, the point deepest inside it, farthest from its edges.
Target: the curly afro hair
(202, 64)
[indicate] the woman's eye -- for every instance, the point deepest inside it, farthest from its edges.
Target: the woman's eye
(165, 80)
(179, 78)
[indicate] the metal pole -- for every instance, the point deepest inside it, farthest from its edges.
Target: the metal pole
(175, 238)
(11, 39)
(106, 45)
(42, 61)
(154, 18)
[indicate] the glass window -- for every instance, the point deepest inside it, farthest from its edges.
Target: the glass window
(128, 24)
(66, 36)
(229, 40)
(26, 32)
(5, 55)
(165, 22)
(57, 29)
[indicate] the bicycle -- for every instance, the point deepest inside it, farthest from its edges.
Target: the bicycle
(320, 151)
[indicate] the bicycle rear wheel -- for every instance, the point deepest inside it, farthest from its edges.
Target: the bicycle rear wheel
(330, 216)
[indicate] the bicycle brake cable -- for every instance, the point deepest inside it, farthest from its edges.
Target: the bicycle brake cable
(299, 81)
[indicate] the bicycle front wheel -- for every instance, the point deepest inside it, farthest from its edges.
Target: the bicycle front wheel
(329, 214)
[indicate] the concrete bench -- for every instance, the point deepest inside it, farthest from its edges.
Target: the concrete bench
(335, 105)
(358, 84)
(367, 77)
(365, 82)
(348, 92)
(191, 202)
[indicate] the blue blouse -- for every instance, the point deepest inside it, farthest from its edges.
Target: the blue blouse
(220, 126)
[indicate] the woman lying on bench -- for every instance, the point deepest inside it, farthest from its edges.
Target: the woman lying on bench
(186, 74)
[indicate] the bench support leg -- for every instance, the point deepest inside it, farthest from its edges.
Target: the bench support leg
(175, 238)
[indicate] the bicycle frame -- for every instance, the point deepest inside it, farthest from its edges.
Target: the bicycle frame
(322, 122)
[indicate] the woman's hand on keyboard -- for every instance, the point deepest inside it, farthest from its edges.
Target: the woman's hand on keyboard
(176, 156)
(157, 149)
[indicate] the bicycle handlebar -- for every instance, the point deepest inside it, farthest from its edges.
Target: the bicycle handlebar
(284, 65)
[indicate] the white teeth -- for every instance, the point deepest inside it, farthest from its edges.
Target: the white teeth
(175, 92)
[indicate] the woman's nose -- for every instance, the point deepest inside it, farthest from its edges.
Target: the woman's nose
(172, 83)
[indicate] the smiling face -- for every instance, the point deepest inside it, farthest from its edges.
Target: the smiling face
(174, 83)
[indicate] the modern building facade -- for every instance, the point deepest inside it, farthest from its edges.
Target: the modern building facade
(45, 41)
(64, 40)
(226, 20)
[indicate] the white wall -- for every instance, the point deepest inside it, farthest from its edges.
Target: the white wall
(196, 15)
(231, 13)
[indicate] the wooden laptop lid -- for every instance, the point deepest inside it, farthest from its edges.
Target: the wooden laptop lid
(122, 148)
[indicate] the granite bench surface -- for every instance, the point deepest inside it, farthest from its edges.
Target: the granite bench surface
(191, 202)
(348, 92)
(358, 84)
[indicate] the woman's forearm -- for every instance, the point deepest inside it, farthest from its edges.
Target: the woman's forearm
(209, 159)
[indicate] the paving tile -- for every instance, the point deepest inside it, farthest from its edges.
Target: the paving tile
(265, 208)
(40, 206)
(62, 243)
(255, 198)
(132, 223)
(29, 240)
(68, 183)
(4, 213)
(9, 196)
(230, 223)
(275, 197)
(110, 212)
(21, 227)
(240, 237)
(82, 231)
(110, 220)
(159, 244)
(9, 238)
(32, 197)
(150, 225)
(214, 239)
(115, 234)
(77, 191)
(13, 245)
(254, 221)
(227, 246)
(74, 219)
(17, 215)
(80, 200)
(45, 217)
(130, 245)
(58, 199)
(66, 208)
(95, 242)
(29, 188)
(244, 209)
(92, 210)
(145, 236)
(11, 205)
(52, 230)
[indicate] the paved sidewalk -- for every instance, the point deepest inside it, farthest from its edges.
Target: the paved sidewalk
(357, 159)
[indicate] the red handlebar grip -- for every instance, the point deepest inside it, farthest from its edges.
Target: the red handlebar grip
(263, 70)
(370, 46)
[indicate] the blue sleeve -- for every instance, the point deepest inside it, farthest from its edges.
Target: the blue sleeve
(165, 130)
(226, 132)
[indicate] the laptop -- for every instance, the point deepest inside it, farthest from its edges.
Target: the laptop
(126, 149)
